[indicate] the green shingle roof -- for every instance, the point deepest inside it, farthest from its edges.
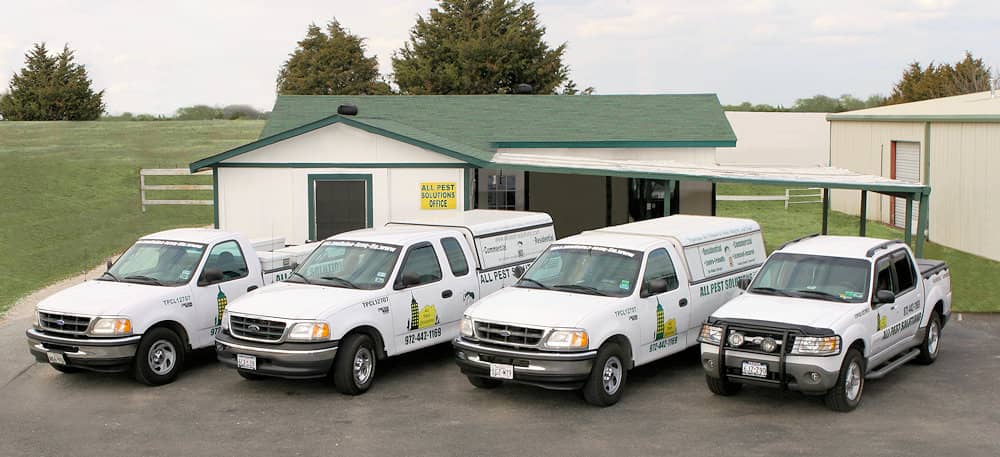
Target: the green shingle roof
(474, 126)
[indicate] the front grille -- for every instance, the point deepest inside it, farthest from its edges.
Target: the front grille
(258, 329)
(511, 335)
(64, 323)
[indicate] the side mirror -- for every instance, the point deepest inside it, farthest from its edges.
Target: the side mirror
(293, 265)
(518, 272)
(210, 276)
(656, 286)
(108, 265)
(743, 283)
(885, 296)
(407, 280)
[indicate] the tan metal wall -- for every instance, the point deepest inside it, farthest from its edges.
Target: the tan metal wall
(964, 171)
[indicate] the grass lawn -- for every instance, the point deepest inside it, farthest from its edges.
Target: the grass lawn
(968, 272)
(69, 191)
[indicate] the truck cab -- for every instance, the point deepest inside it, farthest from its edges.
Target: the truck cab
(163, 297)
(597, 304)
(824, 314)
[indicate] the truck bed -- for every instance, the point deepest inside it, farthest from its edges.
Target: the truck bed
(929, 267)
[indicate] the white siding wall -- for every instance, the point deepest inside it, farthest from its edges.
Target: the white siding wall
(778, 139)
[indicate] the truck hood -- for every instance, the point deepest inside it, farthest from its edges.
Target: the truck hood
(285, 300)
(540, 308)
(787, 310)
(108, 298)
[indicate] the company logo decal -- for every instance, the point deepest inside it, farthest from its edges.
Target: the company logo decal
(222, 301)
(421, 317)
(666, 330)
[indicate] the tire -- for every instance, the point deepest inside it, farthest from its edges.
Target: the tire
(932, 341)
(847, 394)
(64, 368)
(160, 357)
(606, 382)
(723, 387)
(249, 375)
(484, 383)
(354, 367)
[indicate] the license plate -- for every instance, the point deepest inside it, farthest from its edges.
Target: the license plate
(755, 369)
(57, 358)
(501, 371)
(246, 362)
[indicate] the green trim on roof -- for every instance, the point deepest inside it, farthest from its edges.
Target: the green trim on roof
(614, 144)
(958, 118)
(342, 165)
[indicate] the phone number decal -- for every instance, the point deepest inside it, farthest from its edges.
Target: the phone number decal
(422, 335)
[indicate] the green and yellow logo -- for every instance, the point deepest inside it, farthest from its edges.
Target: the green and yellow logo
(664, 328)
(883, 321)
(421, 317)
(222, 301)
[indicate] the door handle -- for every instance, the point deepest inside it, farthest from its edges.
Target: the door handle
(683, 302)
(251, 288)
(446, 294)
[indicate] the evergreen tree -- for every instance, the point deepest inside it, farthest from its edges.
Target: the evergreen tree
(51, 88)
(479, 47)
(330, 63)
(933, 81)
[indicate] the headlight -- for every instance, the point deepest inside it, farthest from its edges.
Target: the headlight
(112, 326)
(567, 339)
(468, 327)
(710, 334)
(816, 345)
(309, 331)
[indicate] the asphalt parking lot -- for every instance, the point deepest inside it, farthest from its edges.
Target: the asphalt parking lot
(421, 405)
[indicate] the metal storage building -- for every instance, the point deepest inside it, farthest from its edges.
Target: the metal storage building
(951, 144)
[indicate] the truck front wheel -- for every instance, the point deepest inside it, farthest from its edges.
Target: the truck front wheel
(723, 387)
(607, 379)
(354, 367)
(932, 341)
(846, 394)
(159, 358)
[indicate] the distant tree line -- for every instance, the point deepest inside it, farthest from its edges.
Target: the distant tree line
(196, 113)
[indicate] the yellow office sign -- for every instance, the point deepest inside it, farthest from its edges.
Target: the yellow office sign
(438, 195)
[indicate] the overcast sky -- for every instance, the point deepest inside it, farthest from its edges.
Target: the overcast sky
(152, 57)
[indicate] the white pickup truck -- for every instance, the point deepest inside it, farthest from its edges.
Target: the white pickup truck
(826, 313)
(370, 294)
(597, 304)
(163, 297)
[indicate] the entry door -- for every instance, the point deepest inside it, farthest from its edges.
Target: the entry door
(340, 205)
(905, 167)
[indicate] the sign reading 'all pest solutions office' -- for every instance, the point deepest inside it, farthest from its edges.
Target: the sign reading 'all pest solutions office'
(438, 195)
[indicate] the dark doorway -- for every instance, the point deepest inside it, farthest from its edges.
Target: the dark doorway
(341, 206)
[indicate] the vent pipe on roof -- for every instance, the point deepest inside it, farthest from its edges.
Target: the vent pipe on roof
(523, 89)
(347, 110)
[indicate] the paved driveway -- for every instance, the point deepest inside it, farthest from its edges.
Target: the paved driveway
(421, 405)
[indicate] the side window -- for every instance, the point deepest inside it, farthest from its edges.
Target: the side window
(228, 259)
(904, 272)
(456, 257)
(883, 277)
(420, 267)
(659, 266)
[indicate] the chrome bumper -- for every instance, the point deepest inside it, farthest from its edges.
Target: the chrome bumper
(554, 370)
(94, 353)
(288, 360)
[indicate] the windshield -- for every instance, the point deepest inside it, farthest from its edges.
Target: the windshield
(348, 264)
(593, 270)
(160, 263)
(805, 276)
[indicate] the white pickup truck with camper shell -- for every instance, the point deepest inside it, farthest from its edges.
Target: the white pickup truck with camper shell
(597, 304)
(163, 297)
(369, 294)
(824, 314)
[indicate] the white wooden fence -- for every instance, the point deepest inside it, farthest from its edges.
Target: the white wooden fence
(143, 187)
(791, 197)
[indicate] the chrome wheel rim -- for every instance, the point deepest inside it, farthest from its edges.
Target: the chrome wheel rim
(162, 357)
(612, 375)
(364, 364)
(933, 336)
(852, 382)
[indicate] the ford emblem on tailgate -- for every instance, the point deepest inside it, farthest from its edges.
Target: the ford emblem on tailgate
(253, 328)
(505, 333)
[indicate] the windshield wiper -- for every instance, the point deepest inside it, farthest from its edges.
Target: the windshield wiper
(821, 294)
(109, 274)
(145, 279)
(342, 280)
(307, 281)
(543, 286)
(582, 288)
(769, 291)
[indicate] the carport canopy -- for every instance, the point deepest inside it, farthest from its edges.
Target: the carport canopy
(672, 171)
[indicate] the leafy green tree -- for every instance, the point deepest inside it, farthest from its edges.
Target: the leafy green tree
(479, 47)
(51, 88)
(330, 63)
(198, 113)
(933, 81)
(762, 107)
(242, 112)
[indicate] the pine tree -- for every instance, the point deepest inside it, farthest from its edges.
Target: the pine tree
(330, 63)
(51, 88)
(933, 81)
